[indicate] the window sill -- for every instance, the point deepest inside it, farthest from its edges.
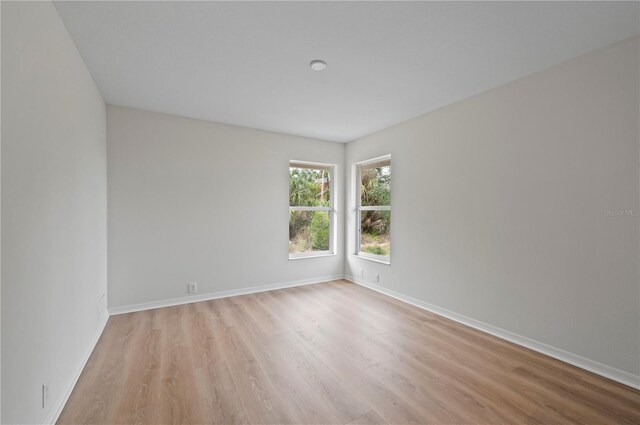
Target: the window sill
(375, 260)
(319, 255)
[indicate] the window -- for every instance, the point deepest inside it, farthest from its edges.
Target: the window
(311, 211)
(373, 197)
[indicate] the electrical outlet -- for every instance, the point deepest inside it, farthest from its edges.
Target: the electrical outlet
(192, 288)
(45, 394)
(361, 272)
(377, 277)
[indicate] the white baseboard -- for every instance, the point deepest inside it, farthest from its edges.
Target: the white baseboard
(215, 295)
(565, 356)
(56, 407)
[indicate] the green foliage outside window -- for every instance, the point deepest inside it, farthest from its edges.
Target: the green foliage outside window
(319, 230)
(375, 226)
(309, 230)
(309, 188)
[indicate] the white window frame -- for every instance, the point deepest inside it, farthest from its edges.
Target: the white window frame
(359, 208)
(330, 209)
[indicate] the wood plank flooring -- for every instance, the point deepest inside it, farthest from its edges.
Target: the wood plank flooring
(330, 353)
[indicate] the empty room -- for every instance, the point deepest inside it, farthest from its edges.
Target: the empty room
(320, 212)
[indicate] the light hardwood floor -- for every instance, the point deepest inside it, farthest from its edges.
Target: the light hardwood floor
(327, 353)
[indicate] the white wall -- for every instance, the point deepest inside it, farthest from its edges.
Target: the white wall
(499, 207)
(53, 210)
(195, 201)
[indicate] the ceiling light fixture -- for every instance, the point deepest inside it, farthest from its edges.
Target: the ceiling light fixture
(318, 65)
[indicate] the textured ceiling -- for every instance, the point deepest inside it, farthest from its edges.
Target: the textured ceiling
(246, 63)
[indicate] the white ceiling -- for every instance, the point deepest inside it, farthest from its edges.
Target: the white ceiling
(246, 63)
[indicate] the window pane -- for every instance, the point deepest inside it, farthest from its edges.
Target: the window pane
(375, 185)
(375, 232)
(309, 187)
(308, 231)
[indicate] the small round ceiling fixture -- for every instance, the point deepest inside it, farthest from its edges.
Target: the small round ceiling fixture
(318, 65)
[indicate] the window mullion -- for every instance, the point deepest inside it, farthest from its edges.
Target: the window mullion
(293, 208)
(375, 208)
